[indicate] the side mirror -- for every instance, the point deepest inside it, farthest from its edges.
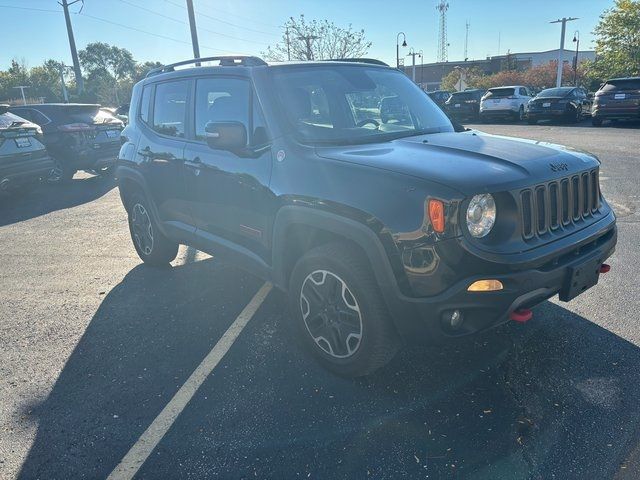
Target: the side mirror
(226, 135)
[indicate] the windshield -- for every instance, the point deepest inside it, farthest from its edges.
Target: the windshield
(626, 84)
(501, 92)
(345, 104)
(462, 96)
(554, 92)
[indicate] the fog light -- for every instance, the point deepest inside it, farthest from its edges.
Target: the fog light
(453, 318)
(485, 286)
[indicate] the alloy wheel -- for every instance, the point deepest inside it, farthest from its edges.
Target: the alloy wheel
(331, 314)
(142, 229)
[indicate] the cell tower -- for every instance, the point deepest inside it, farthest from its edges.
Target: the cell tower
(442, 7)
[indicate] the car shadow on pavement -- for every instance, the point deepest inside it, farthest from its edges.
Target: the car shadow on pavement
(49, 198)
(556, 398)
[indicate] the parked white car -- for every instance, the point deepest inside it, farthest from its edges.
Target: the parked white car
(505, 102)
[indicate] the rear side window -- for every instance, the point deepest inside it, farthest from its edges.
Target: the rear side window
(145, 104)
(221, 100)
(170, 108)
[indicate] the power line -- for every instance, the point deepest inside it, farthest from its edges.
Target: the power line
(181, 22)
(223, 21)
(146, 32)
(224, 12)
(31, 8)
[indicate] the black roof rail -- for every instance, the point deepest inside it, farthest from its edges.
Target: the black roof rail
(225, 61)
(371, 61)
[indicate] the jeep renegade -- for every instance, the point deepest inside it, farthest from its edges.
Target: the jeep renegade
(343, 184)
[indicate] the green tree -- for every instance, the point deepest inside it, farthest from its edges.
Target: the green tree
(618, 41)
(317, 40)
(109, 70)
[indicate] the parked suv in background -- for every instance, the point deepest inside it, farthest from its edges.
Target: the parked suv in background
(569, 104)
(505, 102)
(440, 97)
(24, 161)
(464, 105)
(380, 229)
(617, 99)
(77, 136)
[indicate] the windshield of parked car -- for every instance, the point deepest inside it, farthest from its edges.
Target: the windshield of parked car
(500, 92)
(626, 84)
(554, 92)
(354, 104)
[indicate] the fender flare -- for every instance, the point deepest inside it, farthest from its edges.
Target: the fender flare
(348, 228)
(129, 174)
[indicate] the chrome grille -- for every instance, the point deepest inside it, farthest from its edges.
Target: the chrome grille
(559, 203)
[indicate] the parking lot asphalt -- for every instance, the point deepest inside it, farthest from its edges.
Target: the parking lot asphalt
(94, 345)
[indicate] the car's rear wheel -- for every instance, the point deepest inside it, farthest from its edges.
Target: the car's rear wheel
(61, 172)
(338, 311)
(152, 246)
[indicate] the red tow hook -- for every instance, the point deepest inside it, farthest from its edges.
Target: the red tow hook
(521, 315)
(605, 267)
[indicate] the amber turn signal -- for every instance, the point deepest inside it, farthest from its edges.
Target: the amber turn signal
(436, 215)
(485, 286)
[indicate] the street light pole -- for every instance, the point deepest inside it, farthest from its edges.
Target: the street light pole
(412, 53)
(404, 44)
(576, 40)
(563, 21)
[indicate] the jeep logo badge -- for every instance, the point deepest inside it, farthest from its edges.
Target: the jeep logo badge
(559, 167)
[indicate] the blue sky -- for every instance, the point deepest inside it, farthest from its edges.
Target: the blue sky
(248, 26)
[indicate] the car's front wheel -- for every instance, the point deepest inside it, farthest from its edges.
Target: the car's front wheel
(152, 246)
(338, 311)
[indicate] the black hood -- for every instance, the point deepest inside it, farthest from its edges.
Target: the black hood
(470, 162)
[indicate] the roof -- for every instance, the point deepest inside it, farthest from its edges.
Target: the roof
(247, 61)
(31, 105)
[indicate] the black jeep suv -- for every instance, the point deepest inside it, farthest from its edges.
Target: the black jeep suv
(382, 226)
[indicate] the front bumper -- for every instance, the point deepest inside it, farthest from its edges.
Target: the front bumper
(421, 319)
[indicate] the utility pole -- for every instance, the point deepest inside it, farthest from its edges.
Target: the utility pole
(307, 40)
(22, 87)
(194, 32)
(563, 21)
(412, 53)
(72, 45)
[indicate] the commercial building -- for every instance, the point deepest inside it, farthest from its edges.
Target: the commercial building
(429, 75)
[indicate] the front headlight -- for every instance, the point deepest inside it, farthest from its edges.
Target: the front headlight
(481, 215)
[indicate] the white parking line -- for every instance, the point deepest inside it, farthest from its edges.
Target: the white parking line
(141, 450)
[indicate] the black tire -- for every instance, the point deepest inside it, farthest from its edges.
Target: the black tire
(596, 122)
(151, 245)
(532, 121)
(520, 116)
(106, 171)
(378, 341)
(61, 172)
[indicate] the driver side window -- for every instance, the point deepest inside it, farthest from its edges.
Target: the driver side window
(221, 100)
